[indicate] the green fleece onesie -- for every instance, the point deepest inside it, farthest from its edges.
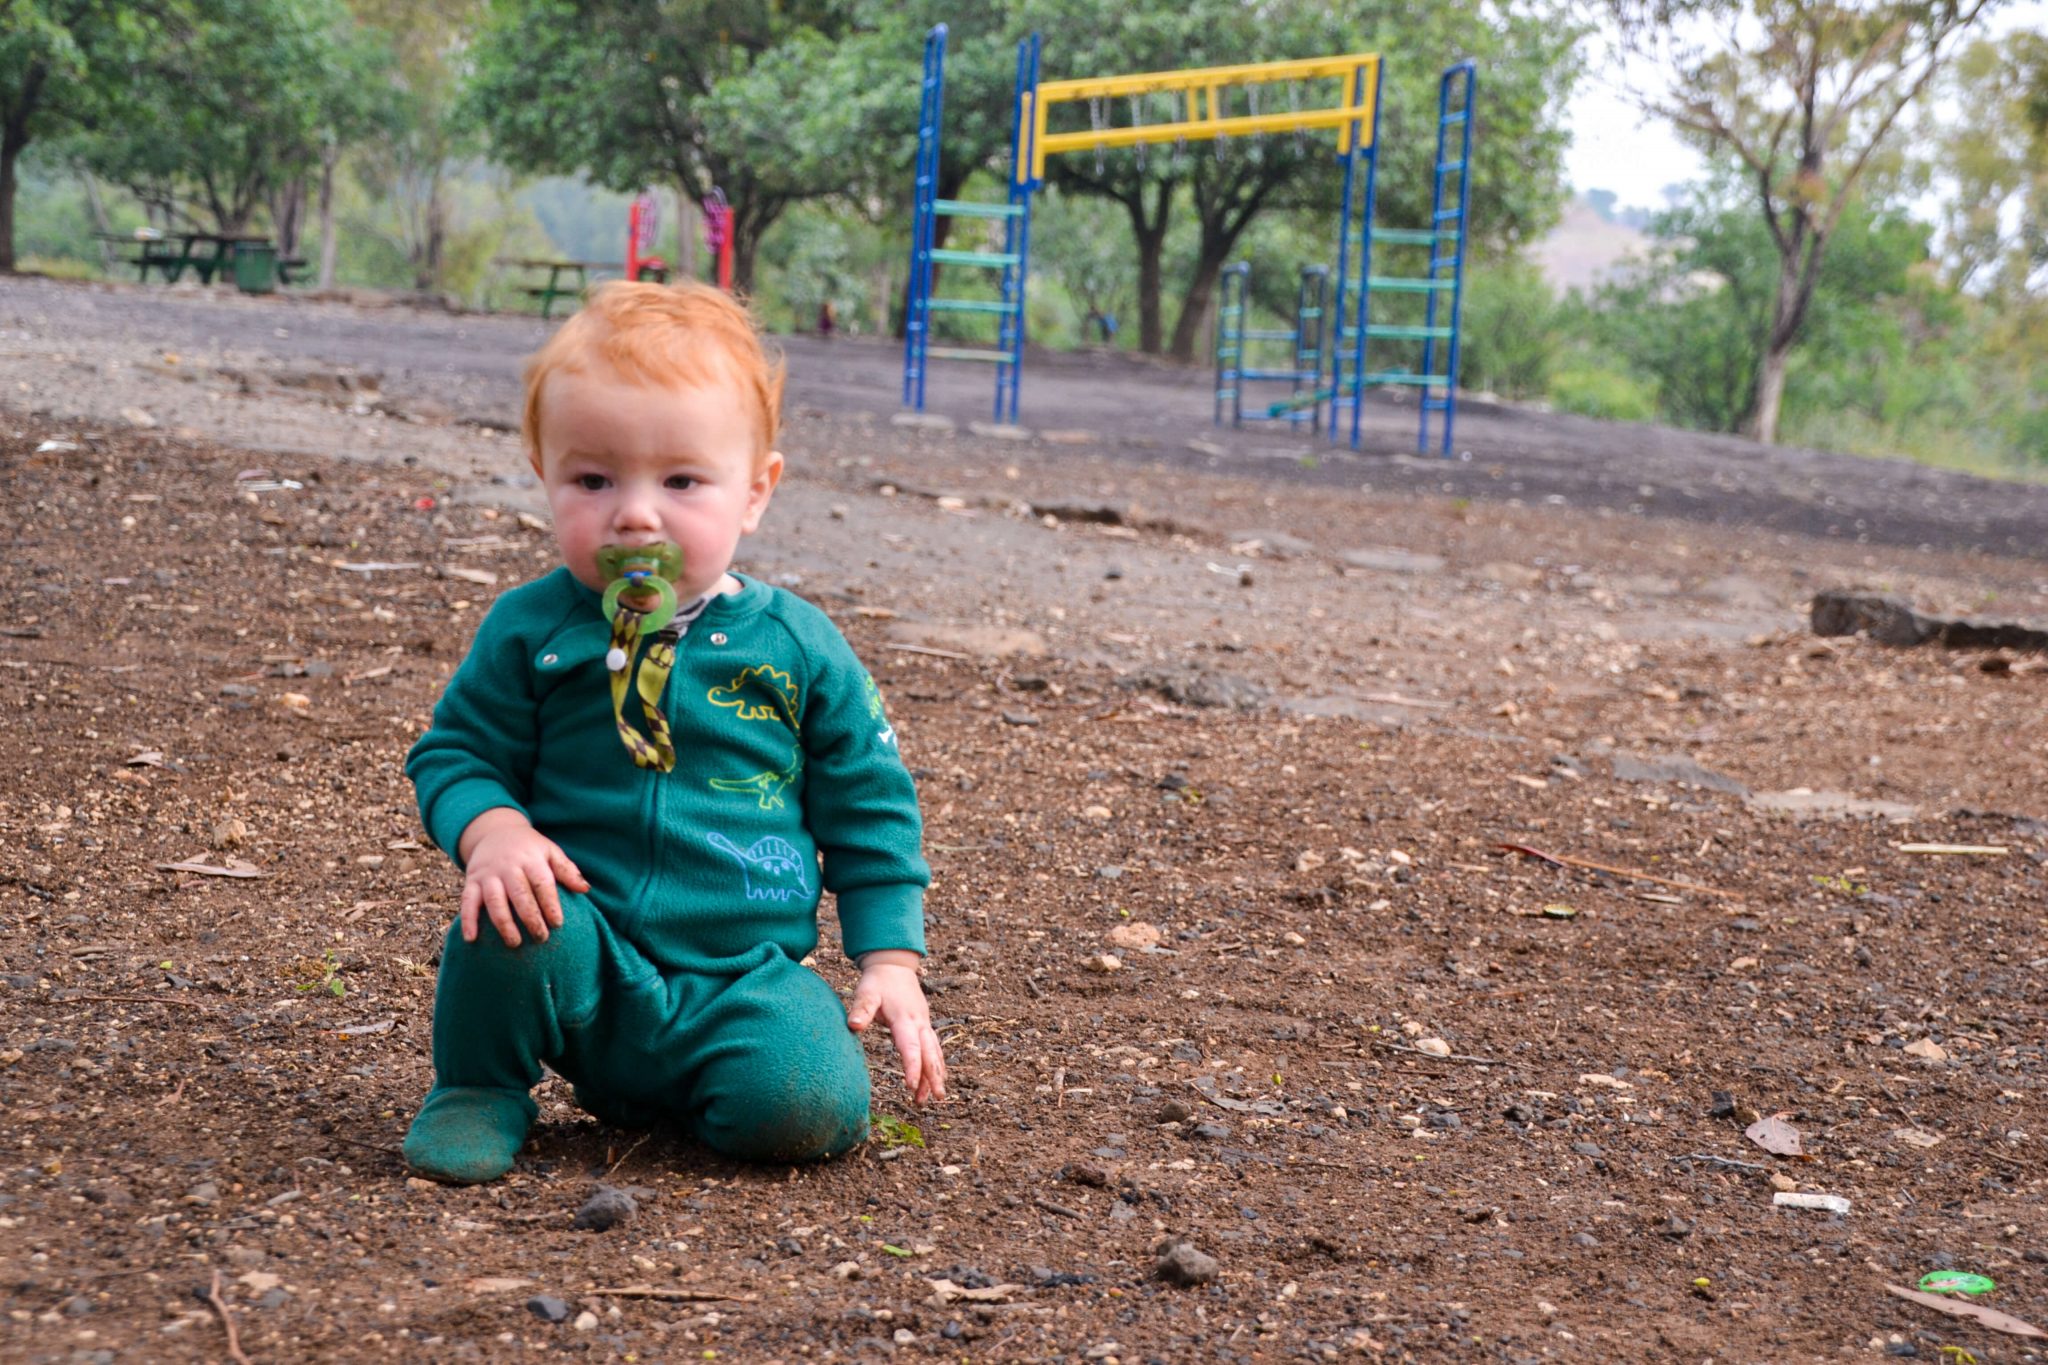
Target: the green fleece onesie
(674, 987)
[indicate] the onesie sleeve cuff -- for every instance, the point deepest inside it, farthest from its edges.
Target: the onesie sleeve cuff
(462, 803)
(877, 917)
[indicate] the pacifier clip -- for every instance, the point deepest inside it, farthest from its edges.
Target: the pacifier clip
(639, 570)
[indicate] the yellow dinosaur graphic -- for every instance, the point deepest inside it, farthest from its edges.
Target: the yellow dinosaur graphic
(777, 683)
(743, 695)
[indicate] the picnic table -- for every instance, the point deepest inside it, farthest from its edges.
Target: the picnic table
(206, 254)
(568, 279)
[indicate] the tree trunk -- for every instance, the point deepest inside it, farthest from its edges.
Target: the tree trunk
(1194, 307)
(427, 273)
(10, 151)
(288, 216)
(1762, 422)
(108, 260)
(1798, 271)
(689, 237)
(329, 158)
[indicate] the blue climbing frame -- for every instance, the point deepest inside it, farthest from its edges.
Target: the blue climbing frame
(1235, 340)
(1007, 354)
(1346, 343)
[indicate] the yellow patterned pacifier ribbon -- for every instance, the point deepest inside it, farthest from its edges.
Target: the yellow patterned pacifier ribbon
(655, 749)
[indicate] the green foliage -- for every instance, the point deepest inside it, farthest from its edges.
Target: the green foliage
(1582, 385)
(1994, 157)
(235, 105)
(1893, 361)
(894, 1132)
(1510, 330)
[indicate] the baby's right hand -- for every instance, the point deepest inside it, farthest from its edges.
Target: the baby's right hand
(512, 872)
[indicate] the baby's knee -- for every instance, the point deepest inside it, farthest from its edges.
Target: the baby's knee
(569, 952)
(788, 1108)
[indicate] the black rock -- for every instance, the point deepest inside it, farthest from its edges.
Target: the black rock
(1211, 1131)
(606, 1209)
(548, 1308)
(1585, 1239)
(1173, 1111)
(1723, 1106)
(1588, 1149)
(1676, 1228)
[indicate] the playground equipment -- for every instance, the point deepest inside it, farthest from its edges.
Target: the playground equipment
(643, 231)
(1203, 100)
(718, 234)
(1008, 352)
(1234, 339)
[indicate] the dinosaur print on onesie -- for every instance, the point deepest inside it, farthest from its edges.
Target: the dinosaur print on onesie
(772, 867)
(762, 693)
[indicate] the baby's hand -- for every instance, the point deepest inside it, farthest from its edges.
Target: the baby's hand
(889, 988)
(512, 872)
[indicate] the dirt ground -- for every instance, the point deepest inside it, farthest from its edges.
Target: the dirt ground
(1259, 733)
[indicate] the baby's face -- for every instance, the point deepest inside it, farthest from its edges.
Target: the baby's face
(635, 464)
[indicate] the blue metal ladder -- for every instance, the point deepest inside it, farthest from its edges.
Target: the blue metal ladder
(1445, 241)
(1007, 354)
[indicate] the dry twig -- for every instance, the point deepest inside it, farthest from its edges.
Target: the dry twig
(227, 1320)
(1728, 1161)
(1061, 1209)
(644, 1291)
(1560, 860)
(131, 1000)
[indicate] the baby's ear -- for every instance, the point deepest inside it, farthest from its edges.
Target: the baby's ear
(766, 477)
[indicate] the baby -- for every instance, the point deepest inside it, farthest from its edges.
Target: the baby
(648, 768)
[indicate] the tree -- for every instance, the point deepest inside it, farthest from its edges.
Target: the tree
(63, 63)
(1994, 216)
(1694, 318)
(230, 109)
(699, 93)
(1804, 94)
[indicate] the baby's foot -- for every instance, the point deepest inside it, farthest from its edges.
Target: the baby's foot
(468, 1134)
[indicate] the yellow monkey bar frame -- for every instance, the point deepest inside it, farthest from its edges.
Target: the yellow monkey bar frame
(1204, 87)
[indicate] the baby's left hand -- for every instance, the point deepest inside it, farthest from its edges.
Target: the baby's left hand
(889, 988)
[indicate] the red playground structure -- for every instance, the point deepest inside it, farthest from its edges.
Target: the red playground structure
(718, 234)
(643, 233)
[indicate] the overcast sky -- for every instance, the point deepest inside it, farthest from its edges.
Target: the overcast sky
(1616, 148)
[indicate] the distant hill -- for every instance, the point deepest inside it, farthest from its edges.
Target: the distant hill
(1585, 247)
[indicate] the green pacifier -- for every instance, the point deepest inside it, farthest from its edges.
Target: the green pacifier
(637, 569)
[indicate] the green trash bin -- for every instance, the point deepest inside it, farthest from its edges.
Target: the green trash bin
(256, 267)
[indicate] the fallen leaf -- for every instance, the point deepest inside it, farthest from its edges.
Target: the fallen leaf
(260, 1281)
(1775, 1136)
(496, 1284)
(1962, 1308)
(945, 1292)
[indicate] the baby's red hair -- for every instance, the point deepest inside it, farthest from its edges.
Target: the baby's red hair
(686, 335)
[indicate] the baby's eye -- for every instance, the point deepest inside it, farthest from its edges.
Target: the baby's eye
(681, 482)
(592, 483)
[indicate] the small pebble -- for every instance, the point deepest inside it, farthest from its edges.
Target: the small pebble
(1434, 1047)
(586, 1321)
(1180, 1263)
(1173, 1111)
(605, 1209)
(548, 1308)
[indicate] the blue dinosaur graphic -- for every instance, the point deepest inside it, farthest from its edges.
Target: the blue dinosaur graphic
(773, 868)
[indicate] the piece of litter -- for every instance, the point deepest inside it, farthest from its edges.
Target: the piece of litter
(1819, 1203)
(1958, 850)
(376, 565)
(1955, 1282)
(364, 1030)
(56, 447)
